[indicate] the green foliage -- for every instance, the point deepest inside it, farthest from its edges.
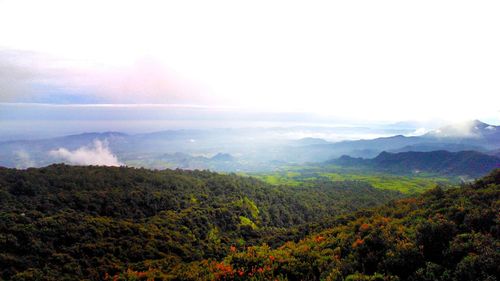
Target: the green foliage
(65, 223)
(97, 223)
(441, 235)
(252, 206)
(244, 221)
(311, 175)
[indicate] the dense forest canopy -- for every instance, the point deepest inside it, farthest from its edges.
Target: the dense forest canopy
(67, 222)
(101, 223)
(440, 235)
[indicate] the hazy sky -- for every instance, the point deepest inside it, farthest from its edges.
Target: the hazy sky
(362, 60)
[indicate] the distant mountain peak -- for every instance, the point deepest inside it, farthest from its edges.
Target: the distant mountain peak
(398, 137)
(467, 129)
(477, 122)
(222, 157)
(384, 154)
(310, 141)
(99, 134)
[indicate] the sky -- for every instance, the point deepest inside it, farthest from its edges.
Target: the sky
(324, 61)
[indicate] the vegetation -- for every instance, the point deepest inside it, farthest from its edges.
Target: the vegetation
(312, 174)
(441, 235)
(65, 223)
(97, 223)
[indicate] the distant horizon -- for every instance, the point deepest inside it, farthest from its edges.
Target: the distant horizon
(197, 65)
(17, 128)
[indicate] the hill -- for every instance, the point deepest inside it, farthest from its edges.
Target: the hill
(428, 147)
(440, 235)
(222, 157)
(470, 163)
(69, 222)
(495, 153)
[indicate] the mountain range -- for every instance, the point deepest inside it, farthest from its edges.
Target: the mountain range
(250, 149)
(463, 163)
(473, 135)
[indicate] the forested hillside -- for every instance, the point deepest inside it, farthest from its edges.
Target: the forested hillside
(96, 223)
(469, 163)
(441, 235)
(66, 222)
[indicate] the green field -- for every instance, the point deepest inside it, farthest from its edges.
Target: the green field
(308, 175)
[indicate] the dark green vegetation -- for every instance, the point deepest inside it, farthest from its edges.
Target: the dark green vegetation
(463, 163)
(65, 223)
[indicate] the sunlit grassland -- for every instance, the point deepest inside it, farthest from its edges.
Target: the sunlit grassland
(306, 175)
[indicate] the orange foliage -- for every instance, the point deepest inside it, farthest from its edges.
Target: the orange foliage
(358, 242)
(364, 227)
(319, 239)
(241, 272)
(139, 274)
(386, 219)
(222, 270)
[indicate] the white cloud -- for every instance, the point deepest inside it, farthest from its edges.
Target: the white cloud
(23, 159)
(97, 154)
(465, 129)
(419, 132)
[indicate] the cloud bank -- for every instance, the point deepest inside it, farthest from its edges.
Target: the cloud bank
(97, 154)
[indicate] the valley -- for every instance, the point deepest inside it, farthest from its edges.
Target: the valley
(310, 175)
